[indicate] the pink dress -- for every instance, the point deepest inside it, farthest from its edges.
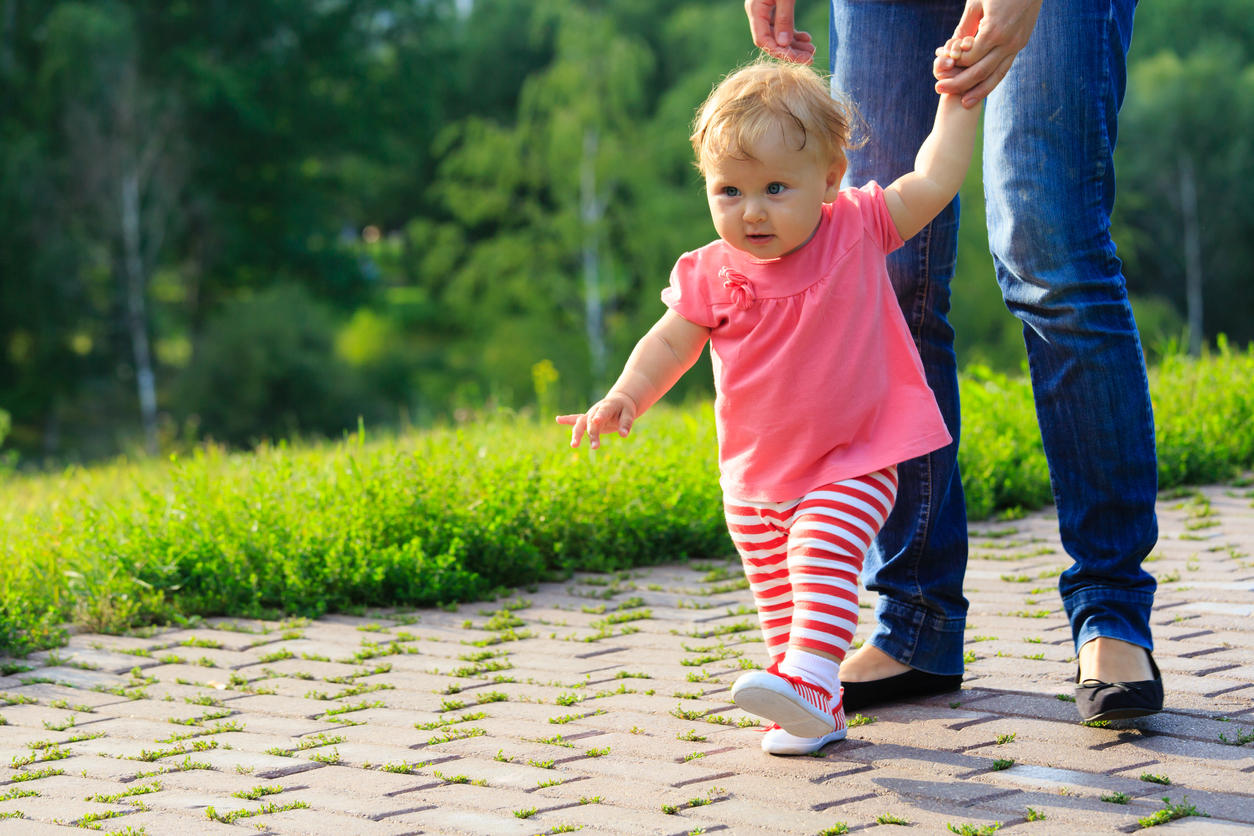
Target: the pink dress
(816, 376)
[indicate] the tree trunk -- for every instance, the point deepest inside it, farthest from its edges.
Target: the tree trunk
(7, 29)
(136, 305)
(1192, 254)
(591, 209)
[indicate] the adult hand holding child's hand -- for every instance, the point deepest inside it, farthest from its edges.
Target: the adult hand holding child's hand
(998, 29)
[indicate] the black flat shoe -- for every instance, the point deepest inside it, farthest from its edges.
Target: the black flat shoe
(1097, 700)
(903, 686)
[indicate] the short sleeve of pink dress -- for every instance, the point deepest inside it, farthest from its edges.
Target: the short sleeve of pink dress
(687, 294)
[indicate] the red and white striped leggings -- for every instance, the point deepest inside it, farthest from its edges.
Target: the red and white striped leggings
(803, 557)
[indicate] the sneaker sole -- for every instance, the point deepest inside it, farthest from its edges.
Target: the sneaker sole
(811, 746)
(780, 704)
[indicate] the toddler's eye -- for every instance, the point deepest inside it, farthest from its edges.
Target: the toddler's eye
(731, 191)
(775, 188)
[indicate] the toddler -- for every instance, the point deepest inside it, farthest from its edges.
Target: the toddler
(819, 387)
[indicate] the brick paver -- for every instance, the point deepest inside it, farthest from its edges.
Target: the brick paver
(601, 705)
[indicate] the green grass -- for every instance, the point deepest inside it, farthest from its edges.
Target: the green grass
(1170, 812)
(462, 514)
(420, 520)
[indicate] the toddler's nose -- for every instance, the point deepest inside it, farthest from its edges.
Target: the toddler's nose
(754, 212)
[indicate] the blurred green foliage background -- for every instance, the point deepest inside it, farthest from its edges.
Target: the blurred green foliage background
(257, 220)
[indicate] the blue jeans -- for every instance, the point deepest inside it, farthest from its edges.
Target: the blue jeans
(1049, 135)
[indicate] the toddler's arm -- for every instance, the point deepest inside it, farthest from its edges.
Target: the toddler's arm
(661, 357)
(939, 168)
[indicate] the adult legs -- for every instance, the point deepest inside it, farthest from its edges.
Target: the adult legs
(1049, 181)
(881, 57)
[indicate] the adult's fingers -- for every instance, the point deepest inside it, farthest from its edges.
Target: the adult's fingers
(798, 52)
(771, 23)
(975, 82)
(969, 27)
(761, 14)
(783, 22)
(981, 90)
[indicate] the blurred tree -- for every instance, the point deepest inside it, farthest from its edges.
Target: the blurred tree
(1180, 26)
(1186, 151)
(462, 190)
(535, 198)
(267, 369)
(41, 304)
(124, 160)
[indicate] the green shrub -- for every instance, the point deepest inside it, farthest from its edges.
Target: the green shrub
(267, 368)
(8, 458)
(1000, 453)
(454, 515)
(426, 519)
(1204, 410)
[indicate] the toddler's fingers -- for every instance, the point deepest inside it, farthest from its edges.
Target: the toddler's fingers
(957, 47)
(576, 434)
(598, 422)
(577, 424)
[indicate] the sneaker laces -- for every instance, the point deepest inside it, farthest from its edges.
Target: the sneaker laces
(816, 695)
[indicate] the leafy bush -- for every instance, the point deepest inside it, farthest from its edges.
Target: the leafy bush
(1204, 414)
(443, 516)
(8, 458)
(267, 368)
(455, 515)
(1000, 453)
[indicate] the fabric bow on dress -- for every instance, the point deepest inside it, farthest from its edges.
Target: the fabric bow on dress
(739, 286)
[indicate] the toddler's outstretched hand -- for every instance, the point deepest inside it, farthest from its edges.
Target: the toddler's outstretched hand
(613, 413)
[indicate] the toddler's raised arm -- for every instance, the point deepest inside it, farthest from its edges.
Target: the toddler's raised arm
(939, 168)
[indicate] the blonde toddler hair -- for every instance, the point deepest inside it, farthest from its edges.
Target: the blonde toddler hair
(771, 95)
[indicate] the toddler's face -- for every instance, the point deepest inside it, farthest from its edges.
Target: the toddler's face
(770, 205)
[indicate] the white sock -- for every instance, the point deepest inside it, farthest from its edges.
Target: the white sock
(813, 669)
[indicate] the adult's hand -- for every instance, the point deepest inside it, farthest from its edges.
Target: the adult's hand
(773, 26)
(1000, 29)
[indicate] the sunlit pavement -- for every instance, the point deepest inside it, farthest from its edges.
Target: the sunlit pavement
(600, 705)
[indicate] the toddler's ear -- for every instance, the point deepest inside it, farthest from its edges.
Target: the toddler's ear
(835, 173)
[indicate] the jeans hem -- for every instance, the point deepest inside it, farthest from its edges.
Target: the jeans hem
(1110, 612)
(901, 630)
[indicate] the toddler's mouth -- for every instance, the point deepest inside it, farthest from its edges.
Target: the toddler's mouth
(760, 237)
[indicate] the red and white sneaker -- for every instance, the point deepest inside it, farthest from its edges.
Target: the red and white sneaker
(799, 707)
(776, 741)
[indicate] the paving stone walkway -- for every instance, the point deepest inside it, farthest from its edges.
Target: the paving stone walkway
(600, 705)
